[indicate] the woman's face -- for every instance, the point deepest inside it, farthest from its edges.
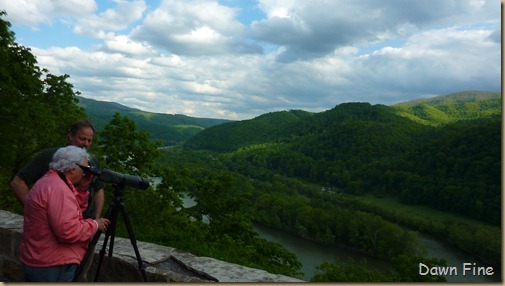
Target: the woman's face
(78, 173)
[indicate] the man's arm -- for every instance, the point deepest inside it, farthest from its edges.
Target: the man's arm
(99, 199)
(20, 189)
(30, 173)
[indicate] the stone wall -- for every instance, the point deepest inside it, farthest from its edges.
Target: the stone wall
(162, 264)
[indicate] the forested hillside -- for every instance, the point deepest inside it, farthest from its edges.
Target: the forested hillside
(449, 108)
(451, 163)
(448, 159)
(170, 129)
(275, 126)
(264, 128)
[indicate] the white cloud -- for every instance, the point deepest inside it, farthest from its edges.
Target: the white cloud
(124, 45)
(32, 13)
(438, 61)
(315, 28)
(196, 58)
(119, 18)
(194, 27)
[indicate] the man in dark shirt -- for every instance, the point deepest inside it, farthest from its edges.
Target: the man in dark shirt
(81, 134)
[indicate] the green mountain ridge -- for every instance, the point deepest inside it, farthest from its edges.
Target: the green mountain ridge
(283, 125)
(449, 108)
(264, 128)
(177, 129)
(453, 98)
(170, 129)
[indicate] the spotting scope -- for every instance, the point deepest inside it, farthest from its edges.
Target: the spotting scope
(108, 176)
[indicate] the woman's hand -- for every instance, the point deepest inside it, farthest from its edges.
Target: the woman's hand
(103, 223)
(85, 181)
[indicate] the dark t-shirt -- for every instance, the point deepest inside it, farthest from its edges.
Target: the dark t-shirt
(37, 167)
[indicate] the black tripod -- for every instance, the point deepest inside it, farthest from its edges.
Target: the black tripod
(112, 214)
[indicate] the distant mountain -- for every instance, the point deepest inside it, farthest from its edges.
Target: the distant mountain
(168, 128)
(221, 134)
(286, 125)
(264, 128)
(454, 98)
(452, 107)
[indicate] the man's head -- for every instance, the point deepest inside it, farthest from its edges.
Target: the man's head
(81, 134)
(67, 160)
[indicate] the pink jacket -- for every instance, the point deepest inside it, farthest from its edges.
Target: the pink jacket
(54, 232)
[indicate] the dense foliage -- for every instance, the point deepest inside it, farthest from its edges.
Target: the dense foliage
(441, 110)
(358, 149)
(404, 270)
(36, 111)
(230, 136)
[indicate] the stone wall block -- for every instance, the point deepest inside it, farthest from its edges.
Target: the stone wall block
(163, 264)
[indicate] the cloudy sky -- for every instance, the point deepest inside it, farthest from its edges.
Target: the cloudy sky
(237, 59)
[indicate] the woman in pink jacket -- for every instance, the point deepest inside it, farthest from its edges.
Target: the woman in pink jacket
(55, 235)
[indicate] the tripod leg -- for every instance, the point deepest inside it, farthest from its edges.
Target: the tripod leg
(133, 241)
(102, 254)
(112, 228)
(88, 257)
(112, 215)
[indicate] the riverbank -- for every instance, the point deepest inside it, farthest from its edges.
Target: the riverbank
(311, 254)
(481, 240)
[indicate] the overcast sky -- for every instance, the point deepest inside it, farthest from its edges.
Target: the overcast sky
(237, 59)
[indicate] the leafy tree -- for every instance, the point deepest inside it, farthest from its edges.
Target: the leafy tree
(158, 215)
(348, 272)
(219, 204)
(405, 268)
(36, 112)
(28, 110)
(125, 149)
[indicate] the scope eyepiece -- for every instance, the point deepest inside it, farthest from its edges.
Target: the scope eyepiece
(91, 170)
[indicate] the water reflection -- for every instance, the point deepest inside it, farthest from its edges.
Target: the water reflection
(456, 258)
(312, 254)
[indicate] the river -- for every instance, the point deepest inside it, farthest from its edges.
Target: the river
(312, 254)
